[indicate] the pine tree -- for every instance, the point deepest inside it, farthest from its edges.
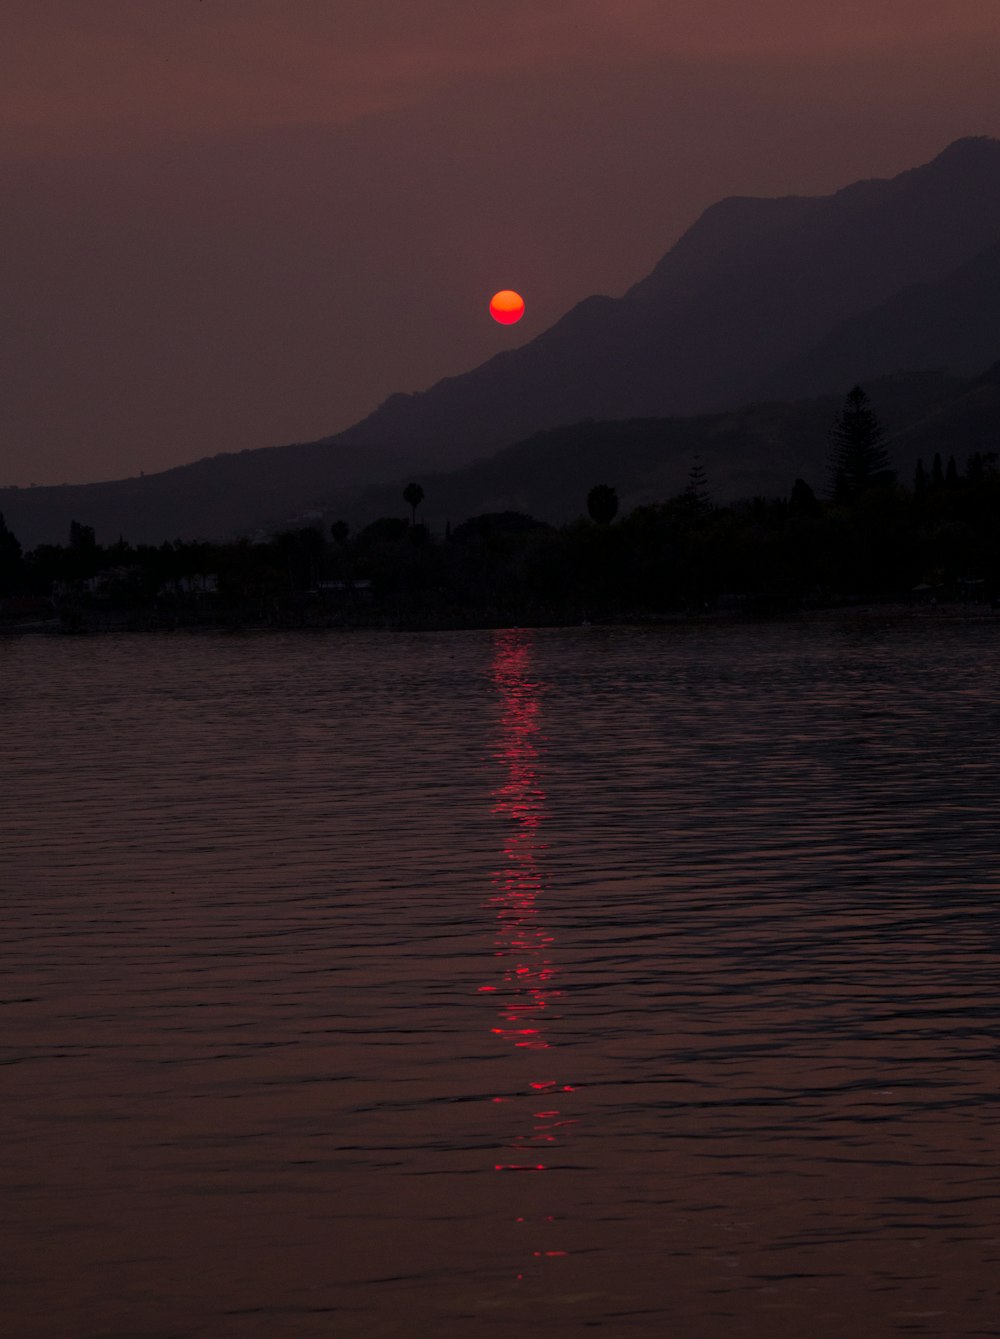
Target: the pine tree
(696, 492)
(858, 458)
(919, 480)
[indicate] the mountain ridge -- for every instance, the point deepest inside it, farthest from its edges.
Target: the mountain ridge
(762, 298)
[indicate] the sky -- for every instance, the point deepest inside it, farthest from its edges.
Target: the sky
(236, 223)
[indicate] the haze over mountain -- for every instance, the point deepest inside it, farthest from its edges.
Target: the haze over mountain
(761, 298)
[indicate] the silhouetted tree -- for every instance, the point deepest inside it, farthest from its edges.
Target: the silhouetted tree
(9, 543)
(803, 501)
(81, 536)
(602, 504)
(951, 473)
(858, 458)
(339, 532)
(386, 530)
(300, 554)
(937, 471)
(10, 558)
(413, 495)
(484, 527)
(919, 480)
(696, 493)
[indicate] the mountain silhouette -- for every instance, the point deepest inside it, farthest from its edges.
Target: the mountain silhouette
(743, 292)
(953, 321)
(760, 299)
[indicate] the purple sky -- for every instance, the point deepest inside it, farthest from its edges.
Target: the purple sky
(234, 223)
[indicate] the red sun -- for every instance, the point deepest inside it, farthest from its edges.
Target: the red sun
(506, 306)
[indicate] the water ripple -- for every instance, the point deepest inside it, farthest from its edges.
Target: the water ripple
(393, 985)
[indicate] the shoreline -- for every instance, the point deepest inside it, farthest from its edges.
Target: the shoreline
(870, 612)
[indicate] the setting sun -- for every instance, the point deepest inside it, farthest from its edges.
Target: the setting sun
(506, 306)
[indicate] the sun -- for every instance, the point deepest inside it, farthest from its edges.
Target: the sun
(506, 306)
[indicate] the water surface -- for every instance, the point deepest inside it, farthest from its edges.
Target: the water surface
(629, 982)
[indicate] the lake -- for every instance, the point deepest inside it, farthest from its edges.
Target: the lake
(615, 981)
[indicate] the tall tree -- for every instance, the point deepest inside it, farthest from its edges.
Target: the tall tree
(602, 504)
(696, 493)
(413, 495)
(858, 458)
(10, 558)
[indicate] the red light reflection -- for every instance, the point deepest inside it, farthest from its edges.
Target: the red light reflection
(527, 993)
(522, 942)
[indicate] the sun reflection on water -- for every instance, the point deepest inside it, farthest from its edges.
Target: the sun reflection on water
(528, 993)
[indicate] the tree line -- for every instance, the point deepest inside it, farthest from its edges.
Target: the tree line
(872, 537)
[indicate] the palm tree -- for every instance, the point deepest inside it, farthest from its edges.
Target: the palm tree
(413, 495)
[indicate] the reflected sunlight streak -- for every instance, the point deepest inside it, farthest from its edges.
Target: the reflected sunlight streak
(523, 943)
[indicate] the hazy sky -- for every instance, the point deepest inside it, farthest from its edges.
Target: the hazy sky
(234, 223)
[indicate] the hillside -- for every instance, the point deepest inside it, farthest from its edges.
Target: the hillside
(214, 498)
(757, 450)
(958, 315)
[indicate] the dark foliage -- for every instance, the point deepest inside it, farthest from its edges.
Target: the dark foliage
(413, 495)
(678, 556)
(602, 504)
(492, 524)
(696, 492)
(803, 501)
(858, 458)
(387, 529)
(10, 560)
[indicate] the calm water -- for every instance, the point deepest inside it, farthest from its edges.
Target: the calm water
(616, 982)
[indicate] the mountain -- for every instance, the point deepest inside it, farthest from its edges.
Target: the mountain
(749, 287)
(953, 321)
(214, 498)
(760, 299)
